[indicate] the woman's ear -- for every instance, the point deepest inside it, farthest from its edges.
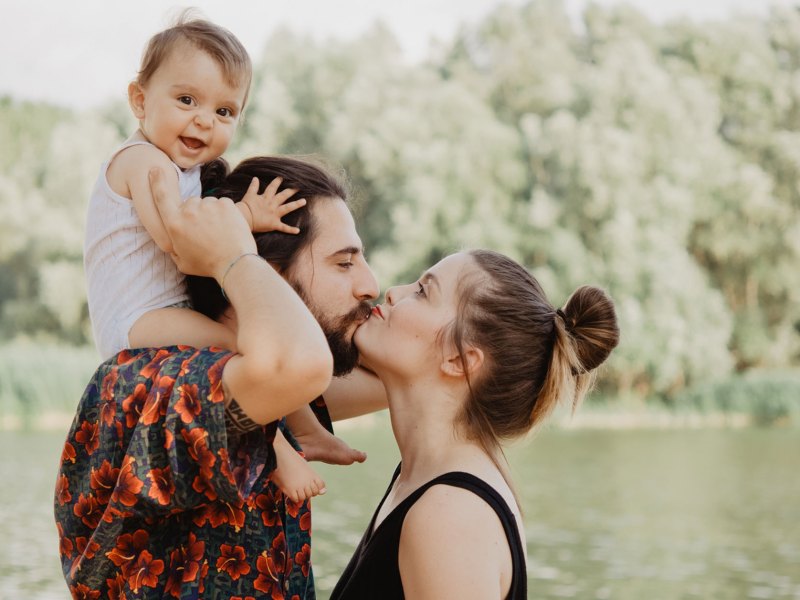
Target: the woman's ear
(136, 99)
(454, 365)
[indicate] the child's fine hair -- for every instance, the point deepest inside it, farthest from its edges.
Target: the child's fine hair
(218, 42)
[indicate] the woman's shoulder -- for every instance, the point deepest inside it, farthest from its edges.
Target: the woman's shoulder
(453, 537)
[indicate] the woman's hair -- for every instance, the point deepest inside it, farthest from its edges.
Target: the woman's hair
(535, 356)
(313, 181)
(218, 42)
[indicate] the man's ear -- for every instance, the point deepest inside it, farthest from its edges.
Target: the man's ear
(136, 99)
(454, 366)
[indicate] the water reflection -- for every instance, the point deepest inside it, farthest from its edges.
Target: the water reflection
(620, 515)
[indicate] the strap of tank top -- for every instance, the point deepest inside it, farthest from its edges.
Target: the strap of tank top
(483, 490)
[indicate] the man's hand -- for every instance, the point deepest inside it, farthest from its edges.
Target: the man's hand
(207, 234)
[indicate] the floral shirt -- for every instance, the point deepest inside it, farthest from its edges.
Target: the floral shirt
(153, 500)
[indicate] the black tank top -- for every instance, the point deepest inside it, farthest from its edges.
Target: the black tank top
(374, 570)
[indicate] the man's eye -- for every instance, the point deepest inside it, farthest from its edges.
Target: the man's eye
(346, 265)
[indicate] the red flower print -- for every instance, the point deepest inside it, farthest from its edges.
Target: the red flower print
(124, 357)
(162, 486)
(127, 549)
(203, 572)
(303, 559)
(203, 486)
(305, 521)
(68, 453)
(88, 436)
(245, 598)
(128, 485)
(220, 513)
(145, 571)
(194, 552)
(268, 505)
(292, 507)
(151, 369)
(62, 490)
(103, 481)
(169, 439)
(216, 392)
(65, 545)
(86, 547)
(186, 364)
(272, 565)
(134, 404)
(225, 465)
(233, 561)
(109, 406)
(198, 450)
(155, 405)
(115, 588)
(188, 406)
(107, 387)
(82, 592)
(87, 510)
(175, 575)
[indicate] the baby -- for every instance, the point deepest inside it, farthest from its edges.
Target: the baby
(188, 98)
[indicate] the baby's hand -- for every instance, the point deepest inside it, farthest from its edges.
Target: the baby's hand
(266, 210)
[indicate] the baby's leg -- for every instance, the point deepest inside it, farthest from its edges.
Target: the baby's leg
(173, 325)
(317, 442)
(293, 475)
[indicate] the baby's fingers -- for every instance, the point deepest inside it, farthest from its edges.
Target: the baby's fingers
(273, 186)
(284, 228)
(288, 207)
(253, 187)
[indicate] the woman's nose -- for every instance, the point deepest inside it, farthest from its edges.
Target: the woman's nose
(390, 295)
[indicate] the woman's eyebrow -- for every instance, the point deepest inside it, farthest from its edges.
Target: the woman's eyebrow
(431, 278)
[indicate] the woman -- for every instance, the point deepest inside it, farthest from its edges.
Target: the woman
(471, 354)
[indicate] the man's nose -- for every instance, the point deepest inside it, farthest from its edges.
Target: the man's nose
(367, 286)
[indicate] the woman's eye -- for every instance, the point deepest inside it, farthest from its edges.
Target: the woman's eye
(421, 290)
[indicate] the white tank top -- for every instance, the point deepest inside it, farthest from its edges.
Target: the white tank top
(127, 274)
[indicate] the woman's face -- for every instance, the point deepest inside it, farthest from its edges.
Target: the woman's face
(402, 336)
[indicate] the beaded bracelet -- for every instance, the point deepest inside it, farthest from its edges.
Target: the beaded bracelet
(230, 266)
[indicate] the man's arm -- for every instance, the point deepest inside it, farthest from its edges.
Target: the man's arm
(283, 359)
(355, 394)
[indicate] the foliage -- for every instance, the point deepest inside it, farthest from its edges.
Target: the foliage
(769, 397)
(658, 161)
(29, 391)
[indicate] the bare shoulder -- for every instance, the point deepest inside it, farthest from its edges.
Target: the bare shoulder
(453, 544)
(132, 164)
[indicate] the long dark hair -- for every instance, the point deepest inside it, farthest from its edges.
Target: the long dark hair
(313, 180)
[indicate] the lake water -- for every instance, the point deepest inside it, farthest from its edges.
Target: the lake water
(632, 515)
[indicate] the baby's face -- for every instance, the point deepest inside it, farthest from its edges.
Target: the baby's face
(188, 109)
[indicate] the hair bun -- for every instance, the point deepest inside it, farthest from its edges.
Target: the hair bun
(590, 319)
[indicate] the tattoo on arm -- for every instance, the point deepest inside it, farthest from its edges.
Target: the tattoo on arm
(236, 421)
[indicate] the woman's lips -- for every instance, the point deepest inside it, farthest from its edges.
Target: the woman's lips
(376, 310)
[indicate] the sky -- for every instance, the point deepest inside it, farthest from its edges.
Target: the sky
(83, 53)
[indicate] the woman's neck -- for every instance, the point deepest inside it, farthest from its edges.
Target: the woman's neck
(424, 424)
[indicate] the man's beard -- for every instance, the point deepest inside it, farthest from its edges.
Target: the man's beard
(344, 351)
